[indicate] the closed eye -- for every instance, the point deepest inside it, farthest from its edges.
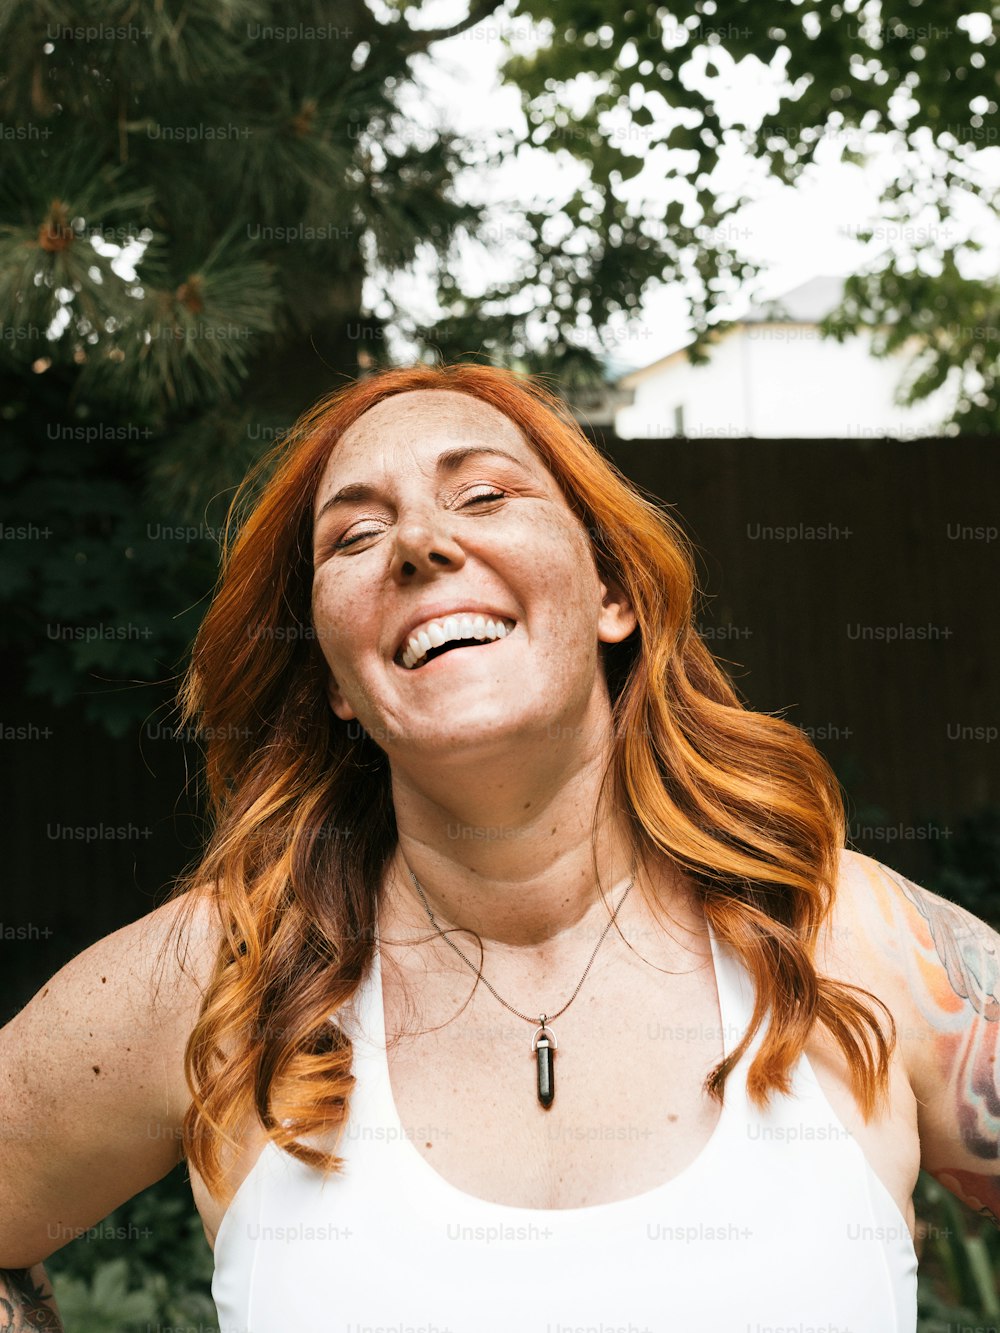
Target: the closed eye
(359, 536)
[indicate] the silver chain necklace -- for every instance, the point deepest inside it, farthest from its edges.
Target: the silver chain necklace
(543, 1043)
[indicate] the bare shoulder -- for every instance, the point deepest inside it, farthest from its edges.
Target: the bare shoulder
(862, 944)
(181, 943)
(945, 968)
(850, 943)
(920, 948)
(92, 1086)
(145, 981)
(883, 909)
(863, 924)
(855, 948)
(154, 969)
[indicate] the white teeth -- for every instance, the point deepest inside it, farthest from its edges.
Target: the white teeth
(460, 626)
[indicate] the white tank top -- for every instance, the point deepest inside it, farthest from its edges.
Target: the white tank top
(779, 1225)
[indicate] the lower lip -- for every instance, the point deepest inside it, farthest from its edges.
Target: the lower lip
(454, 652)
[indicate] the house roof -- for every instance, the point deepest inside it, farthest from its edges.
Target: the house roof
(807, 303)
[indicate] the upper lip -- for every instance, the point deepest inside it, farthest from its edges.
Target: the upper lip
(439, 610)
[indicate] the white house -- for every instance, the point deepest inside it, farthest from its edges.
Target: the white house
(771, 374)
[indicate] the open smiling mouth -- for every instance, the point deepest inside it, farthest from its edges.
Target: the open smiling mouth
(409, 659)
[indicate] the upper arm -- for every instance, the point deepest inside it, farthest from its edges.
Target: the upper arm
(92, 1089)
(945, 969)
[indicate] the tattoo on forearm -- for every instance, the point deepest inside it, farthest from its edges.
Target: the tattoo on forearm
(27, 1301)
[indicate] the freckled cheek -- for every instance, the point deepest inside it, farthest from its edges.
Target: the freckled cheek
(551, 541)
(556, 565)
(338, 623)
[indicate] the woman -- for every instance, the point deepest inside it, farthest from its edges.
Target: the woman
(459, 725)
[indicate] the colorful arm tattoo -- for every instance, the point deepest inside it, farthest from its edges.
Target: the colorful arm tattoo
(952, 969)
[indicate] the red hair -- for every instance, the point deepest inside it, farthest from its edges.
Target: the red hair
(742, 802)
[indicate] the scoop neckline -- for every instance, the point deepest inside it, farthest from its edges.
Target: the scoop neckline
(400, 1140)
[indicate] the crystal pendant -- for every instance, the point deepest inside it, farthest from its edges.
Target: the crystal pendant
(544, 1046)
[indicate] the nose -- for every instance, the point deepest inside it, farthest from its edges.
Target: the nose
(423, 543)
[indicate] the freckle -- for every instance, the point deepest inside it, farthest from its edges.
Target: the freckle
(428, 1145)
(553, 830)
(96, 1068)
(671, 1117)
(45, 991)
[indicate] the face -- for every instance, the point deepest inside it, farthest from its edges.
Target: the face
(442, 524)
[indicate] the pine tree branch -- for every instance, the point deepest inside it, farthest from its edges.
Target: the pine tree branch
(361, 22)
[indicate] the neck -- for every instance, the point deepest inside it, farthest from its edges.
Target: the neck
(534, 883)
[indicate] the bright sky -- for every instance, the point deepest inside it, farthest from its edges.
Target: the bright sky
(798, 232)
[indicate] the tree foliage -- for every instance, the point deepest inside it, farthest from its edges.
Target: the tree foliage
(917, 78)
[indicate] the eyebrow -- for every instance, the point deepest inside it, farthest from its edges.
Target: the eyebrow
(449, 461)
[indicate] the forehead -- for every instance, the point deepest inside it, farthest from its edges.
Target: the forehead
(412, 428)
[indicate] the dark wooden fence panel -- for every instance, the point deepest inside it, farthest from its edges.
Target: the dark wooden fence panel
(97, 828)
(855, 584)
